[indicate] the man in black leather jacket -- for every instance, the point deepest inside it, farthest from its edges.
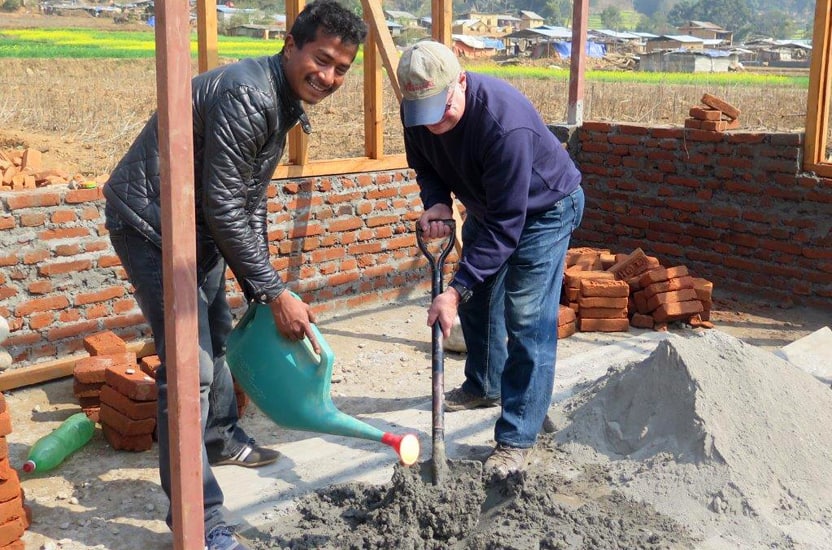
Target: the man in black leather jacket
(241, 115)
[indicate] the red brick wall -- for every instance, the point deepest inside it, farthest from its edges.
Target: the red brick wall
(339, 240)
(734, 207)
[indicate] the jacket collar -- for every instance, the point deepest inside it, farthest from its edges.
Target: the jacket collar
(290, 104)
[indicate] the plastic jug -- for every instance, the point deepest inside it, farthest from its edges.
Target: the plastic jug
(290, 383)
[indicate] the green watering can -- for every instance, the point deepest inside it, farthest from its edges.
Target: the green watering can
(290, 383)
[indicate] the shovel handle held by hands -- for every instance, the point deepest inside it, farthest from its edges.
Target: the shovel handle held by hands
(437, 262)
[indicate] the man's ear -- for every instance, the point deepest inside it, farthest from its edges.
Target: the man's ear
(288, 45)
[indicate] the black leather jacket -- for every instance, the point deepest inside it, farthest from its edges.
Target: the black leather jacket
(241, 115)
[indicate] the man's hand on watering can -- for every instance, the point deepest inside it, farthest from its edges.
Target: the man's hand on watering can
(432, 221)
(444, 309)
(294, 319)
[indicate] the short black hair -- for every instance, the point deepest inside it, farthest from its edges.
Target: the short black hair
(332, 19)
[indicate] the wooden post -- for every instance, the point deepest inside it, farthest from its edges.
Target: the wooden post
(206, 27)
(577, 62)
(298, 148)
(173, 88)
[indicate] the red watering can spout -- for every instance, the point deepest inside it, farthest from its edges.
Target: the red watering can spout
(290, 383)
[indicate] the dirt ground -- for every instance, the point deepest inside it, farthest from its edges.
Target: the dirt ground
(103, 499)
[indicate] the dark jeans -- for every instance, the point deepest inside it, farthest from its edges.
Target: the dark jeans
(218, 405)
(510, 322)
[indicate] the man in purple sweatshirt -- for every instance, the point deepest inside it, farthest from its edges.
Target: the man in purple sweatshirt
(480, 139)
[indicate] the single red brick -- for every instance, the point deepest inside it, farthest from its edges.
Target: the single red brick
(635, 264)
(603, 301)
(132, 382)
(604, 288)
(602, 312)
(677, 283)
(675, 311)
(12, 530)
(640, 320)
(10, 488)
(701, 113)
(104, 343)
(567, 330)
(704, 289)
(137, 410)
(669, 297)
(5, 423)
(604, 325)
(662, 274)
(15, 545)
(4, 448)
(91, 369)
(121, 442)
(80, 389)
(573, 279)
(149, 364)
(721, 105)
(566, 315)
(125, 425)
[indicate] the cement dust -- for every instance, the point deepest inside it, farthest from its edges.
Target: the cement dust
(707, 443)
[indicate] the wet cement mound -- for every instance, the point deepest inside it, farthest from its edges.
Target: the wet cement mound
(723, 436)
(537, 509)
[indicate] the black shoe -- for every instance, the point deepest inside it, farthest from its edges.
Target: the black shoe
(250, 455)
(458, 400)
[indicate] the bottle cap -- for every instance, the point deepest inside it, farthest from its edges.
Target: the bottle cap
(29, 466)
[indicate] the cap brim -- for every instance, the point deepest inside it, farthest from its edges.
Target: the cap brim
(425, 111)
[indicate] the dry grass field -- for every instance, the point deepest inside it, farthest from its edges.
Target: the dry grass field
(85, 113)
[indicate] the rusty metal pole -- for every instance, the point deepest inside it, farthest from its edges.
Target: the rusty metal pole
(173, 88)
(577, 62)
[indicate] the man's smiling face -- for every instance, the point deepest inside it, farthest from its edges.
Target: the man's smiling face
(318, 68)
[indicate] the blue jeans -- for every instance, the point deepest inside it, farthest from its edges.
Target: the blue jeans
(218, 405)
(510, 322)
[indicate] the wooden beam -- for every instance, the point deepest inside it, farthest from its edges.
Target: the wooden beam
(298, 147)
(389, 55)
(817, 108)
(59, 368)
(176, 156)
(373, 99)
(340, 166)
(577, 62)
(206, 27)
(441, 15)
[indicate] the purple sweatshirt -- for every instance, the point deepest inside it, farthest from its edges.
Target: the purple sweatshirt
(501, 162)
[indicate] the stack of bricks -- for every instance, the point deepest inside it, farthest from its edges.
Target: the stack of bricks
(602, 306)
(15, 515)
(597, 284)
(714, 115)
(106, 350)
(128, 408)
(22, 169)
(664, 295)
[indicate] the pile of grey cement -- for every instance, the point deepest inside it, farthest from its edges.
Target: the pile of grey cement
(729, 440)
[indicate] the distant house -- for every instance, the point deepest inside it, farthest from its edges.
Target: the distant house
(709, 61)
(225, 13)
(265, 32)
(496, 23)
(708, 31)
(674, 42)
(471, 46)
(783, 53)
(469, 26)
(403, 18)
(394, 28)
(530, 20)
(615, 41)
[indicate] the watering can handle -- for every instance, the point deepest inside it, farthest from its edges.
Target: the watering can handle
(325, 357)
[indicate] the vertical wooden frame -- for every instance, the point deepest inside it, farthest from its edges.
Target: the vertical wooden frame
(817, 111)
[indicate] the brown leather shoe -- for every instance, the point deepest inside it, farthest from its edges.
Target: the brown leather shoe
(505, 460)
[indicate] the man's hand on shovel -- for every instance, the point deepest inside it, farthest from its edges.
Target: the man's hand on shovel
(294, 319)
(443, 308)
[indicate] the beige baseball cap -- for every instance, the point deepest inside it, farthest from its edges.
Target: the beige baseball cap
(426, 72)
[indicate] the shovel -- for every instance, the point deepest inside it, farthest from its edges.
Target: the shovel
(439, 461)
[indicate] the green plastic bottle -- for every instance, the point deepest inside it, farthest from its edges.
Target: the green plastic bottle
(50, 450)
